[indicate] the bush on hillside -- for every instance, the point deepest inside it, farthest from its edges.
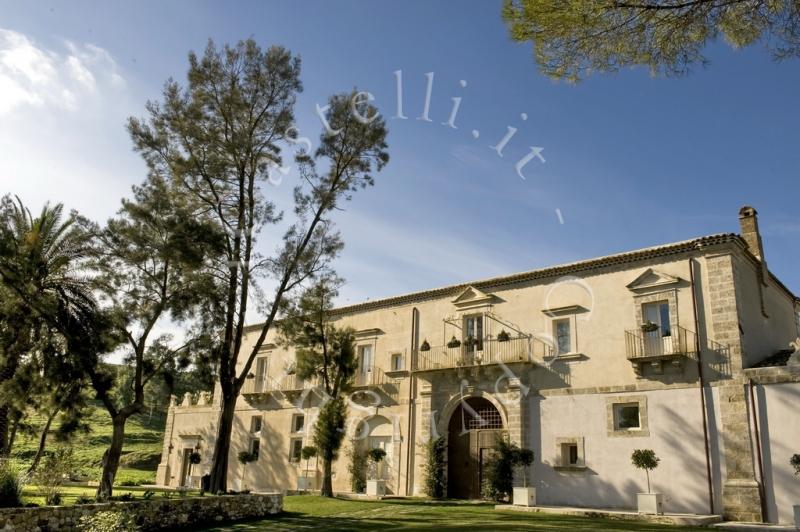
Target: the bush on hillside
(49, 477)
(11, 483)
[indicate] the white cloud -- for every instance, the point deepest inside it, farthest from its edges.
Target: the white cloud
(34, 76)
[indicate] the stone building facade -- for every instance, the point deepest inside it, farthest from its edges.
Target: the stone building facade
(582, 362)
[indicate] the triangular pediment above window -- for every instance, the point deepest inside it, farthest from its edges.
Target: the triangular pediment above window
(472, 297)
(651, 278)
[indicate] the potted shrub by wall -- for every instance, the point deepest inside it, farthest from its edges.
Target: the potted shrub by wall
(376, 486)
(525, 495)
(425, 346)
(194, 459)
(795, 461)
(503, 336)
(647, 503)
(245, 457)
(453, 343)
(304, 483)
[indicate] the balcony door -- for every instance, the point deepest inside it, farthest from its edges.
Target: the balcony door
(473, 333)
(364, 363)
(656, 342)
(261, 374)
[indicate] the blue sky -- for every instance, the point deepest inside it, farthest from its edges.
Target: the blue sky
(631, 161)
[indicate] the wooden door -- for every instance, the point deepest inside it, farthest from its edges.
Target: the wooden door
(469, 448)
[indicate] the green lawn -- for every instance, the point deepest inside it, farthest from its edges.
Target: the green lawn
(311, 512)
(70, 493)
(144, 436)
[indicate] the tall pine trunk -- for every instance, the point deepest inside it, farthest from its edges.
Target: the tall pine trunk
(111, 458)
(327, 478)
(42, 441)
(219, 469)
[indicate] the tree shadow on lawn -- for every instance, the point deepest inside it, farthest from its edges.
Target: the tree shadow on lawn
(426, 520)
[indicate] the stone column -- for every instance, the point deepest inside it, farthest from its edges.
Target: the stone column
(740, 491)
(741, 499)
(163, 473)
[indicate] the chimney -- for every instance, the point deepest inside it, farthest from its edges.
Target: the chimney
(748, 220)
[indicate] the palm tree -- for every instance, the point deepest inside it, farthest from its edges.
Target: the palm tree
(41, 282)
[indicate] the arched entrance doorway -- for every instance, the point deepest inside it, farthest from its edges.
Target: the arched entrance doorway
(471, 433)
(377, 432)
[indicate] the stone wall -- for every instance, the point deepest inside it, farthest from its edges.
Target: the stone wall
(156, 514)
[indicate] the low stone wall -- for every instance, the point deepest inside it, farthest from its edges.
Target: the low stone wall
(156, 514)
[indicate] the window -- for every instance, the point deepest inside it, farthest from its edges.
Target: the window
(626, 416)
(365, 358)
(563, 335)
(397, 362)
(254, 445)
(295, 449)
(298, 422)
(473, 328)
(255, 424)
(569, 454)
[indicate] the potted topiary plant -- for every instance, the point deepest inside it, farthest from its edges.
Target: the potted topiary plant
(795, 461)
(245, 457)
(525, 495)
(647, 503)
(503, 336)
(307, 453)
(425, 346)
(376, 486)
(454, 342)
(194, 459)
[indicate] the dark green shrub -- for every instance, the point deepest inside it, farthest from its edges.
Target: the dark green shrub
(645, 459)
(11, 484)
(435, 480)
(503, 336)
(376, 455)
(83, 499)
(524, 459)
(795, 461)
(498, 475)
(357, 467)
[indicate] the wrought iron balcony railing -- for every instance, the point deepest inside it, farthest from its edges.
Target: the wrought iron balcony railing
(369, 377)
(488, 351)
(260, 385)
(654, 345)
(654, 348)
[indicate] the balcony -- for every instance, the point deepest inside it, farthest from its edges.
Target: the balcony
(522, 349)
(373, 377)
(654, 348)
(259, 387)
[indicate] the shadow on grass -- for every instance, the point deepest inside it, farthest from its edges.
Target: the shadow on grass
(431, 516)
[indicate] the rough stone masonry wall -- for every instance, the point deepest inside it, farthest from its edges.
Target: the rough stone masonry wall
(155, 514)
(740, 491)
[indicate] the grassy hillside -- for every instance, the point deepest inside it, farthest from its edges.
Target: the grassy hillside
(141, 453)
